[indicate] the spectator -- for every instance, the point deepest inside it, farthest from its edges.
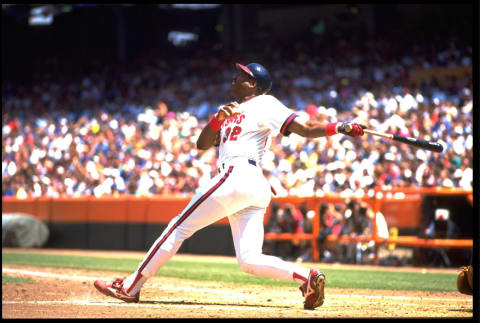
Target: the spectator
(297, 227)
(306, 246)
(366, 251)
(356, 225)
(281, 221)
(334, 226)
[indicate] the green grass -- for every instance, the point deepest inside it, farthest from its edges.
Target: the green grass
(8, 279)
(231, 273)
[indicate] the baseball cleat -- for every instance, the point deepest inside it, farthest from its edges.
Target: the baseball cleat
(115, 289)
(313, 290)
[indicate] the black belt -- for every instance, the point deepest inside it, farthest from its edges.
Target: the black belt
(250, 161)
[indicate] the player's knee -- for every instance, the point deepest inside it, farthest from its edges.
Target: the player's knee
(247, 263)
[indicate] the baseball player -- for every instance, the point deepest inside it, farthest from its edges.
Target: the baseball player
(242, 129)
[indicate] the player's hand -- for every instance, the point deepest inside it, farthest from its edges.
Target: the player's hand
(228, 111)
(351, 129)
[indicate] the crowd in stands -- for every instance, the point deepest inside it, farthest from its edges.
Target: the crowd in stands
(351, 218)
(115, 129)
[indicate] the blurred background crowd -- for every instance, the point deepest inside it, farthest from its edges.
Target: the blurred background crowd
(131, 129)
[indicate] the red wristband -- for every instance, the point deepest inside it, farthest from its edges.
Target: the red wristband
(331, 129)
(215, 124)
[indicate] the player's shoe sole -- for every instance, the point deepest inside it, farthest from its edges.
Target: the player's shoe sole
(115, 290)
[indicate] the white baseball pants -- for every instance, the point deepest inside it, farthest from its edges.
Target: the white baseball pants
(239, 191)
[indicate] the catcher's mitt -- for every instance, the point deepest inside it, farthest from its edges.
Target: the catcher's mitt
(465, 280)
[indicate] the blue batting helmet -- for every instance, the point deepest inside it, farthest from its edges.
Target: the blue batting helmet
(260, 74)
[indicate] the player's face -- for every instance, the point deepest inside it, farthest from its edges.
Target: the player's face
(241, 85)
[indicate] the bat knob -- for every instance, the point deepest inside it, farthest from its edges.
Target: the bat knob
(348, 127)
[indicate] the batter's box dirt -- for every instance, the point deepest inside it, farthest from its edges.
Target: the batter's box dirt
(67, 293)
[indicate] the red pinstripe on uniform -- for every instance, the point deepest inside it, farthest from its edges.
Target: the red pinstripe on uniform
(184, 216)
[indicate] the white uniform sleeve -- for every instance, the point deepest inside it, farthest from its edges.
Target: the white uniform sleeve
(276, 116)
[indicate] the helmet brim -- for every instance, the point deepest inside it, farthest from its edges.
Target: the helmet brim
(245, 69)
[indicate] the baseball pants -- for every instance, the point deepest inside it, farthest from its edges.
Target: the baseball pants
(241, 193)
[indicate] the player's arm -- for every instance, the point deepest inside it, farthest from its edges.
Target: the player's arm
(207, 137)
(210, 135)
(313, 129)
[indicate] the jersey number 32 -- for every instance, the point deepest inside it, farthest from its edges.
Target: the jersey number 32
(232, 134)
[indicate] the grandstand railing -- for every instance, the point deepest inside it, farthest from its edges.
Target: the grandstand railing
(380, 197)
(161, 209)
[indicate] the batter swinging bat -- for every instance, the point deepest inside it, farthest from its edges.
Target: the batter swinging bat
(419, 143)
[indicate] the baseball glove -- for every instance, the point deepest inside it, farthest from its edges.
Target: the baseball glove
(465, 280)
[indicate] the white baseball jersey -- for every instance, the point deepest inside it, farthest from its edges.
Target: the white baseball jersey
(247, 134)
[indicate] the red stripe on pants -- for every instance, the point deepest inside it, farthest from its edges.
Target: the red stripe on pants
(184, 216)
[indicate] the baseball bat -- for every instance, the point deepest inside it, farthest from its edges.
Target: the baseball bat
(419, 143)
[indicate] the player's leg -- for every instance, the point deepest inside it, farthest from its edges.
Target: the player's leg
(203, 210)
(167, 245)
(227, 193)
(247, 232)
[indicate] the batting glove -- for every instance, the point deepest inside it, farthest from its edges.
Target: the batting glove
(351, 129)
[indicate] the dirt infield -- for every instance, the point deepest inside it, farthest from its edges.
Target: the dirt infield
(69, 293)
